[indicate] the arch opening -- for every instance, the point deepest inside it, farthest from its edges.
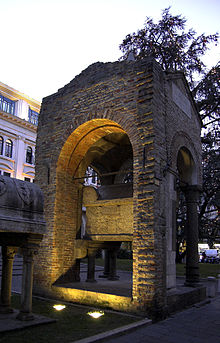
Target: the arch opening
(188, 191)
(98, 219)
(186, 167)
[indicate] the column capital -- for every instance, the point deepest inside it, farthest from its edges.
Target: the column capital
(192, 193)
(28, 251)
(9, 252)
(92, 251)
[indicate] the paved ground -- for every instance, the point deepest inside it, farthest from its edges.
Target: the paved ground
(195, 325)
(199, 324)
(9, 322)
(121, 287)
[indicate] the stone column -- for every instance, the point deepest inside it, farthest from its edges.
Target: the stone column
(112, 264)
(168, 205)
(27, 283)
(8, 254)
(91, 265)
(192, 235)
(106, 265)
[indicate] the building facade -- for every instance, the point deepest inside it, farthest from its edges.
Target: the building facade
(18, 129)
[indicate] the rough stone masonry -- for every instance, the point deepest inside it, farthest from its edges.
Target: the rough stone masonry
(111, 116)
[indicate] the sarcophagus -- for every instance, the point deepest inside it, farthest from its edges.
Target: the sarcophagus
(109, 212)
(21, 206)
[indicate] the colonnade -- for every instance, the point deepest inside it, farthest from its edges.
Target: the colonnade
(110, 257)
(8, 253)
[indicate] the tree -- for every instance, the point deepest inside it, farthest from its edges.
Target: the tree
(176, 49)
(170, 45)
(210, 200)
(208, 102)
(207, 96)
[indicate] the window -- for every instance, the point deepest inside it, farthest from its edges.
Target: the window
(33, 117)
(6, 174)
(7, 105)
(1, 145)
(27, 179)
(8, 148)
(29, 155)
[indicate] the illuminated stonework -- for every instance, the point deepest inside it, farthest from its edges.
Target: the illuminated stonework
(120, 119)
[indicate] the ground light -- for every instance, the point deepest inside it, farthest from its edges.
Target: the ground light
(95, 314)
(59, 307)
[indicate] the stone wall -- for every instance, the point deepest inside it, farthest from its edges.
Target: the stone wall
(121, 98)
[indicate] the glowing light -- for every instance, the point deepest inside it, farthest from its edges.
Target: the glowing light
(59, 307)
(96, 314)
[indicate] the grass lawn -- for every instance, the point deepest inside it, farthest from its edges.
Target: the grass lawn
(205, 269)
(122, 264)
(73, 323)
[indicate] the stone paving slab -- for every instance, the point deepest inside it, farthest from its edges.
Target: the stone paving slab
(8, 322)
(120, 287)
(115, 332)
(199, 324)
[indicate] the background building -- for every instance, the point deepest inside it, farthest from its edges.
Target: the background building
(18, 129)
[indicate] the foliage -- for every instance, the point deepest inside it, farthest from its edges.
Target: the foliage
(170, 45)
(207, 96)
(124, 254)
(210, 200)
(208, 101)
(177, 49)
(181, 224)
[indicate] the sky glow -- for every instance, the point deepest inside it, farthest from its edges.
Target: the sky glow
(46, 43)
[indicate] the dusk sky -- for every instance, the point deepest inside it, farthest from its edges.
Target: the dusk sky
(46, 43)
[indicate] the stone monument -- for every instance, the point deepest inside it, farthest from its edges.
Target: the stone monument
(137, 126)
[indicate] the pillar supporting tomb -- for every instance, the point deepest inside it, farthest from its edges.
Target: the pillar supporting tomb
(27, 282)
(112, 263)
(106, 265)
(192, 235)
(91, 265)
(8, 254)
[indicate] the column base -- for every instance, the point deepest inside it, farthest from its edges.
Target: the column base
(192, 276)
(24, 316)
